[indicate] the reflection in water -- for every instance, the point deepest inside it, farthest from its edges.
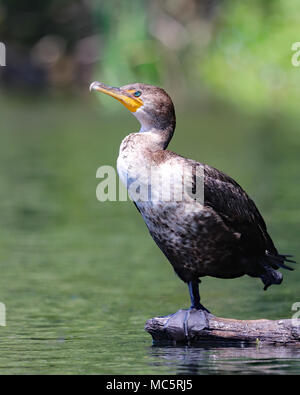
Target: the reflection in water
(227, 360)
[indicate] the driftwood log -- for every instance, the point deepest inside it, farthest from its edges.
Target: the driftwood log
(194, 326)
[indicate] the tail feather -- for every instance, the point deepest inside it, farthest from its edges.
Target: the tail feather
(287, 256)
(280, 264)
(278, 261)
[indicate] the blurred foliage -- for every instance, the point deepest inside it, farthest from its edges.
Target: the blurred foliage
(154, 42)
(237, 51)
(128, 53)
(50, 44)
(249, 58)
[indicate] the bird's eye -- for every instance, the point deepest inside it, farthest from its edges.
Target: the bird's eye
(137, 93)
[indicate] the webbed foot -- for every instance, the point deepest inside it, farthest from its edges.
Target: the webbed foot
(182, 324)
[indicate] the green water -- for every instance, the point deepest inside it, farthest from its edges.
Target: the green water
(79, 278)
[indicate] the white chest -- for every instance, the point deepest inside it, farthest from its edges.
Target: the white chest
(131, 163)
(155, 177)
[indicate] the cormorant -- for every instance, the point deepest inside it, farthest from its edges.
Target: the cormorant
(223, 235)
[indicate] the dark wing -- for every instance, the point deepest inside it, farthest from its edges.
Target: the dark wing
(238, 211)
(227, 198)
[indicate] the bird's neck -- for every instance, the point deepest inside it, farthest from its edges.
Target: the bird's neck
(137, 153)
(155, 139)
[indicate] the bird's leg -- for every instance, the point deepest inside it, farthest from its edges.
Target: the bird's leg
(181, 324)
(195, 296)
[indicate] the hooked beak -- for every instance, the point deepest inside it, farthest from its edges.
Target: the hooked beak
(124, 96)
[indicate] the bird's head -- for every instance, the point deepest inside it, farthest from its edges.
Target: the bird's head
(151, 105)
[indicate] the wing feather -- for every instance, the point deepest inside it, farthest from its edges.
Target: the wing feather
(227, 198)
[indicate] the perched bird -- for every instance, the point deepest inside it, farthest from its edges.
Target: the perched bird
(223, 234)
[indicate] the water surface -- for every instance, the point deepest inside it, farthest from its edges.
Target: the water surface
(80, 278)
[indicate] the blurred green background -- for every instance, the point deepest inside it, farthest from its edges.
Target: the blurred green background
(79, 278)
